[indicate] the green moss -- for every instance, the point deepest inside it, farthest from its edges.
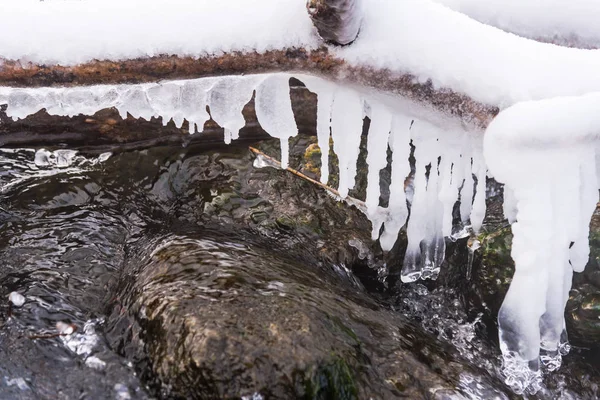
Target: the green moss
(595, 245)
(332, 381)
(312, 159)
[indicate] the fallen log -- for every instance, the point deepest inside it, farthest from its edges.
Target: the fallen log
(337, 21)
(319, 62)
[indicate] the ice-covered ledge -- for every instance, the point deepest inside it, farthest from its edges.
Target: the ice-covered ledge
(545, 152)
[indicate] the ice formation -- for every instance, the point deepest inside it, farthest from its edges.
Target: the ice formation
(447, 159)
(545, 154)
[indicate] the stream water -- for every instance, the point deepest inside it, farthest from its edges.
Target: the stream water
(79, 236)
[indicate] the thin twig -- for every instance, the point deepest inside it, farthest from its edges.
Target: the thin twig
(350, 200)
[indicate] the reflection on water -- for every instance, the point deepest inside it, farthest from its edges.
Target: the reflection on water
(77, 232)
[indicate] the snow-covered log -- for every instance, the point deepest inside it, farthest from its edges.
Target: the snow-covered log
(320, 62)
(417, 49)
(338, 21)
(572, 23)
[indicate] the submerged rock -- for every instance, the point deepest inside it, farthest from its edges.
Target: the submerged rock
(216, 317)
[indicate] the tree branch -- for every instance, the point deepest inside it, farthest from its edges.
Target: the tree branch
(338, 21)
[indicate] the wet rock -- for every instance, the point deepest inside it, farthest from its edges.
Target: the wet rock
(215, 318)
(45, 369)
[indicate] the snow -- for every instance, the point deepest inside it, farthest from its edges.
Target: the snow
(491, 66)
(545, 154)
(72, 32)
(564, 22)
(420, 37)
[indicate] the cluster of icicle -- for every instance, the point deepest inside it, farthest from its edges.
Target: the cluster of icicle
(545, 152)
(446, 161)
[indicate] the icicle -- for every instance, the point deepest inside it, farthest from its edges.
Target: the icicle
(165, 100)
(421, 229)
(194, 99)
(544, 153)
(466, 192)
(227, 98)
(377, 143)
(274, 111)
(346, 130)
(588, 198)
(325, 92)
(478, 209)
(397, 211)
(509, 206)
(450, 179)
(135, 102)
(22, 103)
(82, 100)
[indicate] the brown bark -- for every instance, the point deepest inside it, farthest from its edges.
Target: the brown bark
(319, 62)
(337, 21)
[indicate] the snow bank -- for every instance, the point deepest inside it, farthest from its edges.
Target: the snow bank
(564, 22)
(545, 154)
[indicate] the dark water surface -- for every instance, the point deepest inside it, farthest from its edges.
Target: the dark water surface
(110, 244)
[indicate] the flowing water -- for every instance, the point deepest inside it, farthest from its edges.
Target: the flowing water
(81, 238)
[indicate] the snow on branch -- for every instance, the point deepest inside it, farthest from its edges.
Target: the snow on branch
(572, 23)
(418, 49)
(319, 62)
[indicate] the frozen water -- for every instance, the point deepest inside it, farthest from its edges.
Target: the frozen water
(226, 99)
(274, 111)
(377, 144)
(346, 129)
(399, 143)
(545, 154)
(325, 92)
(17, 299)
